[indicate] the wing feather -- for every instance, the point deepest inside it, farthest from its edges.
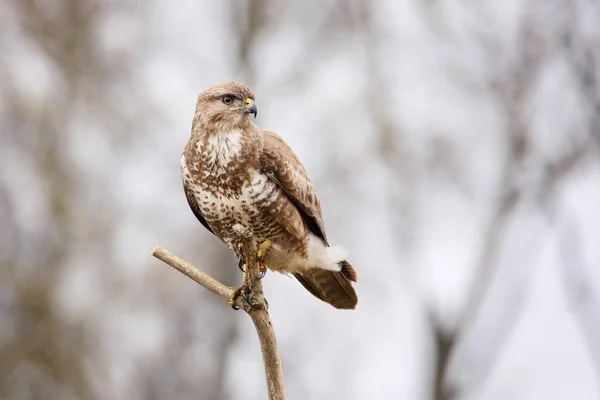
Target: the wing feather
(282, 166)
(191, 199)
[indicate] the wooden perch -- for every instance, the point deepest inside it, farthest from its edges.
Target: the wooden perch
(255, 306)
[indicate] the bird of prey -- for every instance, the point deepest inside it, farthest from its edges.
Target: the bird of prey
(237, 173)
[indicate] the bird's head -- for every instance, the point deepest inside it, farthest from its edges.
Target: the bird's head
(224, 107)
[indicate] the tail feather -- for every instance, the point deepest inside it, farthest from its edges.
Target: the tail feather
(348, 271)
(332, 287)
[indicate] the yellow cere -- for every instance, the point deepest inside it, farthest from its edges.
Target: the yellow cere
(249, 101)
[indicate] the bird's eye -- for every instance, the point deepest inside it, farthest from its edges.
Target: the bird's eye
(227, 100)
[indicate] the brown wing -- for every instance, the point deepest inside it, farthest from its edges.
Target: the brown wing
(191, 199)
(280, 163)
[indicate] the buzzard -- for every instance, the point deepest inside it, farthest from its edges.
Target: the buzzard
(237, 173)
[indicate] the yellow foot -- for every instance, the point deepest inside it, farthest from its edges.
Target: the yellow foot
(249, 299)
(260, 254)
(242, 291)
(240, 254)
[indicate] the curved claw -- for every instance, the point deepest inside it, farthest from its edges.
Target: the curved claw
(244, 295)
(241, 291)
(233, 299)
(260, 254)
(242, 265)
(262, 271)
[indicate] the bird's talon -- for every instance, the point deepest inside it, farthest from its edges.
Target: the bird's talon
(233, 304)
(260, 255)
(233, 300)
(244, 293)
(246, 298)
(242, 265)
(262, 248)
(262, 270)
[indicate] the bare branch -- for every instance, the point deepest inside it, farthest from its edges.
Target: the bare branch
(583, 301)
(444, 342)
(255, 307)
(193, 273)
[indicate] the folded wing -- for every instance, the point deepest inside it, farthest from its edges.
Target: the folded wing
(281, 165)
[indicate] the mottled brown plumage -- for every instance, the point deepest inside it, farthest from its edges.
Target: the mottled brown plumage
(234, 172)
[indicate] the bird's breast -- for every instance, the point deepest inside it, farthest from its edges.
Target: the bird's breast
(229, 187)
(249, 205)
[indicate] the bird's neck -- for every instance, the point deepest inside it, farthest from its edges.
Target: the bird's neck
(216, 124)
(223, 148)
(226, 156)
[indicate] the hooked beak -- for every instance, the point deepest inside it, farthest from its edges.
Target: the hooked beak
(251, 107)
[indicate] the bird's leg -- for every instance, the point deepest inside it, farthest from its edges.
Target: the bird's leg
(243, 290)
(241, 265)
(260, 255)
(242, 262)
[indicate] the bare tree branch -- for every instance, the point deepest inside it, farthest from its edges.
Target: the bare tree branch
(193, 273)
(443, 340)
(254, 305)
(583, 301)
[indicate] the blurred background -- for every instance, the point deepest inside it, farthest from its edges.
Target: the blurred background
(455, 147)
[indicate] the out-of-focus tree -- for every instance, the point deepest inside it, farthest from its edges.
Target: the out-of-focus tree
(449, 144)
(534, 167)
(55, 216)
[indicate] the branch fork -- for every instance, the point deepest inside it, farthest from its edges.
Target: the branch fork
(253, 303)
